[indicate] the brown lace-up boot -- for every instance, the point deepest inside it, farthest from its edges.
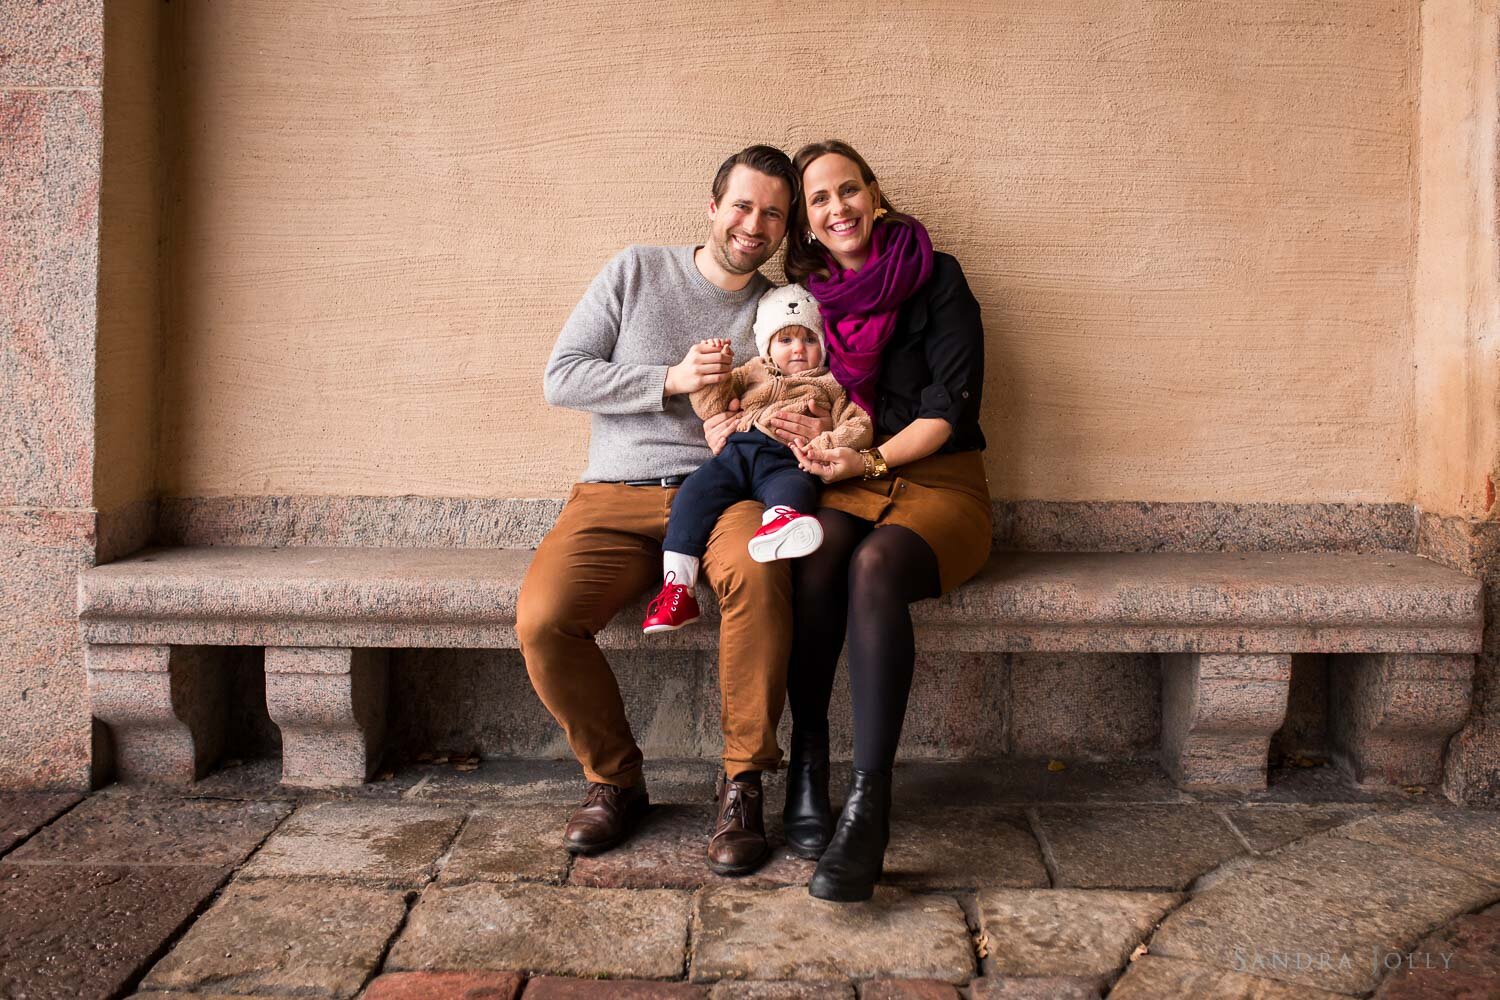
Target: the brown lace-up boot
(738, 845)
(608, 815)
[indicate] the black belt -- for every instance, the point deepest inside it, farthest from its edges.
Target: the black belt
(666, 481)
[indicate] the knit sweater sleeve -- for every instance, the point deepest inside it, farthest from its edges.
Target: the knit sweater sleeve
(581, 374)
(852, 427)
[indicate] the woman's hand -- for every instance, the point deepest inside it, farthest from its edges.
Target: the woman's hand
(829, 464)
(790, 427)
(717, 428)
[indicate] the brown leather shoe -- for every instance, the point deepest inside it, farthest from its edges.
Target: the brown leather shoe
(608, 815)
(738, 845)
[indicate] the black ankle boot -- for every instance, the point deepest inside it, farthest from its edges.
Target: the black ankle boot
(855, 858)
(807, 819)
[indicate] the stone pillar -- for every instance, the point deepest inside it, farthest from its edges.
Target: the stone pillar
(51, 93)
(1218, 713)
(165, 707)
(1390, 716)
(330, 705)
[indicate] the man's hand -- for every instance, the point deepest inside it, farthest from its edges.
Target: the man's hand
(788, 427)
(717, 428)
(829, 464)
(706, 363)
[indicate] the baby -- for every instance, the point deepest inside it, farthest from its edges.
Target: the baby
(788, 377)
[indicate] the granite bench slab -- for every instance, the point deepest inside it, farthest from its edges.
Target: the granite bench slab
(1042, 601)
(1226, 624)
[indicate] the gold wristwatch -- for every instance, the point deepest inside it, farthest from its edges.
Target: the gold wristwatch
(875, 466)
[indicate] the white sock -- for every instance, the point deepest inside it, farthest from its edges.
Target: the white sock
(772, 513)
(684, 568)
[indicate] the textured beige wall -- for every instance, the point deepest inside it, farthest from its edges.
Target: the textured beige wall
(1457, 281)
(130, 212)
(1190, 224)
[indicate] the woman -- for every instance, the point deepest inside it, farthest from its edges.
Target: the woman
(905, 520)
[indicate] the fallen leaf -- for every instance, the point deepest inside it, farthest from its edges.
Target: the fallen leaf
(1140, 950)
(1056, 765)
(1414, 789)
(466, 767)
(385, 776)
(982, 943)
(441, 758)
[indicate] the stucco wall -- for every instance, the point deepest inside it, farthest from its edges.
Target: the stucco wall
(1457, 272)
(130, 226)
(1191, 226)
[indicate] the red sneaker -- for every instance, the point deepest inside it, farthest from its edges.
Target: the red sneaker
(671, 609)
(788, 535)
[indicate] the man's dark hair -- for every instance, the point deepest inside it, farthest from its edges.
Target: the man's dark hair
(766, 159)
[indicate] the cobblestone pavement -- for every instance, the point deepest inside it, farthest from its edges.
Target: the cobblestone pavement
(1003, 881)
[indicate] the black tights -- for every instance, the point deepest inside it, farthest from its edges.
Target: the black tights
(862, 582)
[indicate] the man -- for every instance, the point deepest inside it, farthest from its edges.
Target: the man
(630, 355)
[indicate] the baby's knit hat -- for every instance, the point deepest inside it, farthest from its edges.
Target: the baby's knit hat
(789, 305)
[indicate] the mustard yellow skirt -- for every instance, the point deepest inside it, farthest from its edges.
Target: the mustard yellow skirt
(945, 499)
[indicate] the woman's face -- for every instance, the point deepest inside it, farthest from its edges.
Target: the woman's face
(840, 207)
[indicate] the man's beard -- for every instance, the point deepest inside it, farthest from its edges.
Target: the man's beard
(723, 250)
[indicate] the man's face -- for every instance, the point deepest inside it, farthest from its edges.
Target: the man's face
(748, 223)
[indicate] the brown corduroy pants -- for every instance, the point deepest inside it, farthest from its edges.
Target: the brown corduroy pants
(604, 551)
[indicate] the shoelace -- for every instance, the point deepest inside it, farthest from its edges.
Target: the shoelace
(734, 806)
(597, 793)
(668, 590)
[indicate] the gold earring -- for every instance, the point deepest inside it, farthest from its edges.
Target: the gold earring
(810, 238)
(881, 213)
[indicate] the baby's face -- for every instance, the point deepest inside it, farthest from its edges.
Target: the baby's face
(794, 349)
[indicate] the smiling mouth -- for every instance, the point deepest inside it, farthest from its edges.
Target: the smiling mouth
(746, 244)
(843, 228)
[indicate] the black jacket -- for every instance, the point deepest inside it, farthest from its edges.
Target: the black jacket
(933, 365)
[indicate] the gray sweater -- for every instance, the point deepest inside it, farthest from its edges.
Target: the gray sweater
(638, 318)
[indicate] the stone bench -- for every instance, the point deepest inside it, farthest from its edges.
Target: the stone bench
(1226, 626)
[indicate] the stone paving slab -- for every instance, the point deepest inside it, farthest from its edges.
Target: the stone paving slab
(963, 849)
(1325, 896)
(119, 829)
(554, 988)
(1033, 988)
(71, 931)
(1136, 847)
(24, 813)
(907, 989)
(1466, 839)
(670, 851)
(511, 843)
(1266, 828)
(373, 843)
(445, 986)
(1151, 978)
(1066, 932)
(174, 995)
(318, 939)
(1460, 960)
(728, 990)
(787, 934)
(1028, 781)
(564, 931)
(688, 782)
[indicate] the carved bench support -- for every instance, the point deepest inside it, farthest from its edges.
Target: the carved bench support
(330, 705)
(1390, 715)
(166, 708)
(1219, 711)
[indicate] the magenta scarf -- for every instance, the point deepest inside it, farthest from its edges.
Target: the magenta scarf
(859, 307)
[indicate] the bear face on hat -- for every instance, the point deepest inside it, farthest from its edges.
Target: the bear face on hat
(789, 305)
